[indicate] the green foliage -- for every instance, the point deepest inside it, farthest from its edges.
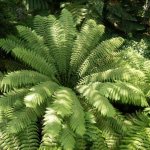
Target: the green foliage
(83, 10)
(33, 5)
(71, 73)
(138, 136)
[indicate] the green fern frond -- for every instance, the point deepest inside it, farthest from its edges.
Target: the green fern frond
(91, 33)
(113, 129)
(80, 143)
(51, 130)
(95, 98)
(67, 138)
(21, 78)
(38, 94)
(69, 32)
(77, 120)
(12, 98)
(100, 56)
(96, 137)
(138, 135)
(78, 11)
(42, 26)
(36, 62)
(132, 58)
(34, 41)
(29, 138)
(122, 92)
(9, 44)
(122, 74)
(20, 120)
(8, 141)
(63, 101)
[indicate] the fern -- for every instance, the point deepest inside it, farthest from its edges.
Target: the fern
(39, 93)
(72, 72)
(97, 100)
(122, 74)
(29, 139)
(81, 47)
(138, 134)
(22, 78)
(67, 139)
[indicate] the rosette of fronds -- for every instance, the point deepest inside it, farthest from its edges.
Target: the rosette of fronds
(74, 79)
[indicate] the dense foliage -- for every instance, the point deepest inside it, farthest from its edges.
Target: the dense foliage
(78, 79)
(67, 96)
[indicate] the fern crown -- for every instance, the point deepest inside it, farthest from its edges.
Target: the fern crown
(72, 76)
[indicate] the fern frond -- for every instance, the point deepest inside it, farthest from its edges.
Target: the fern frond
(21, 119)
(10, 43)
(29, 138)
(69, 32)
(42, 26)
(67, 138)
(12, 98)
(34, 42)
(95, 98)
(77, 119)
(80, 143)
(122, 74)
(54, 36)
(138, 135)
(63, 101)
(95, 136)
(51, 129)
(86, 41)
(34, 60)
(132, 58)
(78, 11)
(100, 56)
(113, 129)
(21, 78)
(39, 93)
(8, 141)
(122, 92)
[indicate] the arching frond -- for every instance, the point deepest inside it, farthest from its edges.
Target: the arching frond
(113, 129)
(21, 78)
(67, 138)
(38, 94)
(138, 135)
(95, 136)
(21, 119)
(8, 141)
(29, 138)
(42, 26)
(10, 43)
(77, 120)
(122, 74)
(101, 56)
(122, 92)
(34, 42)
(80, 143)
(86, 41)
(51, 129)
(36, 62)
(69, 32)
(63, 101)
(12, 98)
(95, 98)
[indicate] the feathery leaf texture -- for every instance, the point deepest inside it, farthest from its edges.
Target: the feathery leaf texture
(72, 72)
